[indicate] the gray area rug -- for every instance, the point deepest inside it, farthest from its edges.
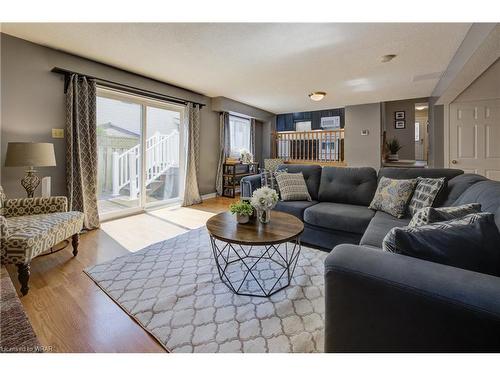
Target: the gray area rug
(173, 290)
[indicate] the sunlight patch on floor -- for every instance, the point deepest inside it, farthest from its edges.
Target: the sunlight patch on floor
(138, 231)
(184, 216)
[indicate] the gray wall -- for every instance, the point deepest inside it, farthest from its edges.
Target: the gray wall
(223, 104)
(479, 49)
(268, 128)
(362, 150)
(485, 87)
(262, 125)
(436, 134)
(406, 137)
(32, 103)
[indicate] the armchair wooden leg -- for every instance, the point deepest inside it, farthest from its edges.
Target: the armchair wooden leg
(23, 276)
(75, 240)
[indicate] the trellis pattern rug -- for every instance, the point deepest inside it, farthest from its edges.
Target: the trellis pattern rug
(173, 290)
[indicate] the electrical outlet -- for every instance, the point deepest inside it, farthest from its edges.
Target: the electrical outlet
(57, 133)
(365, 132)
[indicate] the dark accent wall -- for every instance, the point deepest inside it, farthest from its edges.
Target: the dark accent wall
(286, 121)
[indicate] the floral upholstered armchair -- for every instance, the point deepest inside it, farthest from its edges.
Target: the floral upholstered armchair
(31, 226)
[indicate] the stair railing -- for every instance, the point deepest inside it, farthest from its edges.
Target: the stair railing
(162, 153)
(315, 147)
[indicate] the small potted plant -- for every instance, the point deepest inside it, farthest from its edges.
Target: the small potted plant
(393, 147)
(243, 210)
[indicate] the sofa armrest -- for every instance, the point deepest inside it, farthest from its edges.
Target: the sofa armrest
(381, 301)
(35, 206)
(249, 184)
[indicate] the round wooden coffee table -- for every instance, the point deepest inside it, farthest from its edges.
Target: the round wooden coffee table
(256, 259)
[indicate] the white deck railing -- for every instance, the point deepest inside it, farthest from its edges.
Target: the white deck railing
(162, 153)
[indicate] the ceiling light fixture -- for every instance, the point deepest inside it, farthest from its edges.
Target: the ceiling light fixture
(387, 58)
(420, 107)
(317, 95)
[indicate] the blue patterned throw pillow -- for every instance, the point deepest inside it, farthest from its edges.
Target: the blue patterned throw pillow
(392, 196)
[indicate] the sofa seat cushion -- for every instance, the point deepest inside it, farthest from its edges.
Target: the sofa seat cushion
(339, 216)
(31, 235)
(379, 226)
(295, 208)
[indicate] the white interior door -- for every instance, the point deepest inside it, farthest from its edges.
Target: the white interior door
(475, 137)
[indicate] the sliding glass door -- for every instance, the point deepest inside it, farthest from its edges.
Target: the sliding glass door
(163, 162)
(140, 163)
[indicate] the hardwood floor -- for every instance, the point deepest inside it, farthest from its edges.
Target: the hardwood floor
(67, 310)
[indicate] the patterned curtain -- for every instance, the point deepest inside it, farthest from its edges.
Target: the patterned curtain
(252, 138)
(191, 190)
(81, 149)
(224, 150)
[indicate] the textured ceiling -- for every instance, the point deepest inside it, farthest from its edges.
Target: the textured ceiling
(270, 66)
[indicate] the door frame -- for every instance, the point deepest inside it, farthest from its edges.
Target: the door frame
(145, 102)
(446, 146)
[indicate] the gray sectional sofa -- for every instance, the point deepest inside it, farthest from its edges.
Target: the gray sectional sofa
(380, 301)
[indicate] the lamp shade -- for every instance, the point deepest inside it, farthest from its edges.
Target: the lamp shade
(26, 154)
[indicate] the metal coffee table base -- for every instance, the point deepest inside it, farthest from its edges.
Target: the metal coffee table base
(283, 257)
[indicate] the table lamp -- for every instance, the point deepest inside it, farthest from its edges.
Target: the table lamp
(29, 154)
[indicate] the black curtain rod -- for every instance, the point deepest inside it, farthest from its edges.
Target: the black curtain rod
(124, 87)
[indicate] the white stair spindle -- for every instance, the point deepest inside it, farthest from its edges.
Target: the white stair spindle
(116, 174)
(132, 175)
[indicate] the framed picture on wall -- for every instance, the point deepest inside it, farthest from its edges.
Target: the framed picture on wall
(399, 115)
(400, 124)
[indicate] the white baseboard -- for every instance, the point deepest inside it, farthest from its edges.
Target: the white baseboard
(208, 196)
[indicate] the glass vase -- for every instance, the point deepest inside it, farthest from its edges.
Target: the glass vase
(264, 215)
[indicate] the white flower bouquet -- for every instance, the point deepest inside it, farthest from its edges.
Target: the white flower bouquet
(245, 156)
(264, 200)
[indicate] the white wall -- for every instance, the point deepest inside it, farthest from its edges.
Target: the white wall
(362, 150)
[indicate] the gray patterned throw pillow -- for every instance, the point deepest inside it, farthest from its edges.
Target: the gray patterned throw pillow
(429, 215)
(273, 164)
(292, 187)
(425, 193)
(392, 196)
(268, 179)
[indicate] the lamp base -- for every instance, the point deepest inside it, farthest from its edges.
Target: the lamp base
(30, 182)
